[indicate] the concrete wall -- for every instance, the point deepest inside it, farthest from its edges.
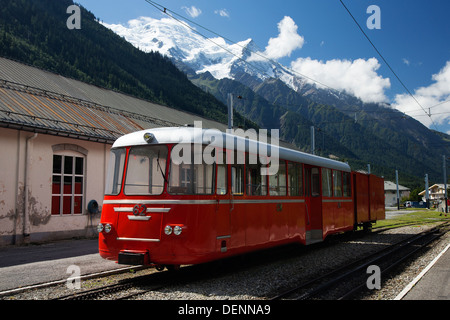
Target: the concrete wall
(391, 197)
(26, 162)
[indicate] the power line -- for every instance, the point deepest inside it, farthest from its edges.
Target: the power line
(388, 65)
(172, 14)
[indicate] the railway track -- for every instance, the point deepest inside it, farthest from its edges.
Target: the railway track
(317, 288)
(351, 279)
(323, 287)
(133, 287)
(121, 291)
(116, 289)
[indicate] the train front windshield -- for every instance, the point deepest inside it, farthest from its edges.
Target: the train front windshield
(145, 173)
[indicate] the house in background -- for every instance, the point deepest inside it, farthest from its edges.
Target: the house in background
(390, 193)
(436, 193)
(55, 138)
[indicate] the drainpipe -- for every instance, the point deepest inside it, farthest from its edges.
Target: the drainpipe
(26, 214)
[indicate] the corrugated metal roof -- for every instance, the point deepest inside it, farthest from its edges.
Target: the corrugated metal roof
(26, 107)
(31, 98)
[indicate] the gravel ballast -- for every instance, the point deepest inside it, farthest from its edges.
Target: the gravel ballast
(260, 275)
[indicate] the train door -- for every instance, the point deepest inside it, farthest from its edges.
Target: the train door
(223, 207)
(313, 199)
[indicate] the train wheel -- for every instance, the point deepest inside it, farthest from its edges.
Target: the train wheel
(367, 227)
(173, 267)
(160, 267)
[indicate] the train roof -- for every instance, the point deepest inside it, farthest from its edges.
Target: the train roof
(214, 137)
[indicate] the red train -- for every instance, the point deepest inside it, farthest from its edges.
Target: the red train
(183, 196)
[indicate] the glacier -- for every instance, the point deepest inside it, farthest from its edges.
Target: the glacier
(186, 44)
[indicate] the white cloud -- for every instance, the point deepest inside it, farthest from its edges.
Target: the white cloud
(285, 43)
(358, 77)
(434, 96)
(192, 11)
(222, 13)
(406, 61)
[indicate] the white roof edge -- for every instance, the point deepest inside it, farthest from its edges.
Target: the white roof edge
(221, 139)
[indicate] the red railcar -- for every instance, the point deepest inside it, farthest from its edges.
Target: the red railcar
(186, 195)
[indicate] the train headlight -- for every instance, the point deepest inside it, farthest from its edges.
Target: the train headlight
(149, 137)
(177, 230)
(100, 227)
(108, 228)
(168, 230)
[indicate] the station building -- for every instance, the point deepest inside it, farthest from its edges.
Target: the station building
(55, 138)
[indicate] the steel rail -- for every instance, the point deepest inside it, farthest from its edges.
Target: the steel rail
(338, 275)
(352, 292)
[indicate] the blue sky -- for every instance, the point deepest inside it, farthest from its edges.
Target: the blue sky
(413, 37)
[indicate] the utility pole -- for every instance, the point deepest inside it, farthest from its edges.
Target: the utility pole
(230, 111)
(398, 193)
(427, 192)
(313, 141)
(444, 167)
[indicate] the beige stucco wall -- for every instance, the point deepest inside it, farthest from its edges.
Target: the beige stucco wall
(36, 163)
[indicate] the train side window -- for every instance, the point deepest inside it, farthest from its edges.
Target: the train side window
(222, 179)
(337, 183)
(307, 182)
(237, 160)
(237, 179)
(315, 182)
(277, 182)
(326, 182)
(347, 188)
(188, 177)
(222, 169)
(295, 179)
(115, 171)
(256, 183)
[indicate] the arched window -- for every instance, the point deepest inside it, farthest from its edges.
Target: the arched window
(68, 179)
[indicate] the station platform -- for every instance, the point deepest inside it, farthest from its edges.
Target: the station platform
(433, 283)
(33, 264)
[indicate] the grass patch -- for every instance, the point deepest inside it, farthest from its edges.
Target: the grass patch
(412, 216)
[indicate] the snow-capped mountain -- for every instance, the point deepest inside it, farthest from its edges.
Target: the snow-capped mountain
(214, 55)
(241, 61)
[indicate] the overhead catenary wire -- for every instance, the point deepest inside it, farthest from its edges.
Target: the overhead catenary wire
(259, 54)
(179, 18)
(172, 14)
(395, 112)
(387, 64)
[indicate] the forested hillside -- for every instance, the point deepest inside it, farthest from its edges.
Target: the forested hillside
(35, 32)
